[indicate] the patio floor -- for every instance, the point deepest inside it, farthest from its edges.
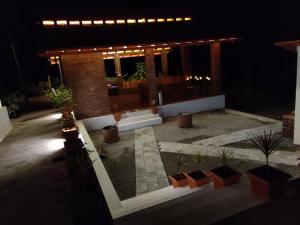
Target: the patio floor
(30, 164)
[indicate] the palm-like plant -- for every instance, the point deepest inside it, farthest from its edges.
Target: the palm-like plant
(266, 142)
(225, 157)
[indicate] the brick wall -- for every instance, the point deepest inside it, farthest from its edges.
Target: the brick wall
(288, 125)
(84, 74)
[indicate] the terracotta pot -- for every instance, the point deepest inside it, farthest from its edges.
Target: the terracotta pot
(223, 176)
(184, 120)
(70, 133)
(197, 178)
(178, 180)
(110, 134)
(154, 110)
(268, 183)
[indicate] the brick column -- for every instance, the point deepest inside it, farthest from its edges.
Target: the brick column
(215, 68)
(185, 56)
(84, 74)
(164, 63)
(288, 125)
(151, 74)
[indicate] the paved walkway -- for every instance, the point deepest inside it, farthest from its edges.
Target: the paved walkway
(150, 172)
(30, 161)
(213, 147)
(238, 135)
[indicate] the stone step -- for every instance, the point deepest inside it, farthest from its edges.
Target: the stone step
(139, 121)
(127, 114)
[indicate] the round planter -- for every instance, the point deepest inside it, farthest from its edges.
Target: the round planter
(110, 134)
(184, 120)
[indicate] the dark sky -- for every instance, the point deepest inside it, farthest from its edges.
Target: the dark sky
(258, 24)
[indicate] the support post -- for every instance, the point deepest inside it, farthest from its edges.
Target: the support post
(215, 68)
(118, 70)
(164, 63)
(297, 103)
(185, 55)
(151, 75)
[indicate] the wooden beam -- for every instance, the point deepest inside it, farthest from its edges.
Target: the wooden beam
(215, 69)
(164, 63)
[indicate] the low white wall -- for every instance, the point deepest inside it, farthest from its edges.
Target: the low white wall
(193, 106)
(5, 125)
(99, 122)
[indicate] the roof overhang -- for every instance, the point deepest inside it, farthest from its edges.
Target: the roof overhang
(289, 45)
(134, 47)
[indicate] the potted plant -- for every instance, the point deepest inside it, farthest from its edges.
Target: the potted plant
(179, 179)
(197, 178)
(111, 133)
(11, 102)
(63, 98)
(266, 181)
(153, 107)
(224, 175)
(70, 133)
(184, 120)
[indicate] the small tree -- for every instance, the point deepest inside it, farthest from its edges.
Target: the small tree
(140, 73)
(266, 143)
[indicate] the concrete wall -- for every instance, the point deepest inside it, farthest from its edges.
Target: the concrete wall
(84, 74)
(5, 125)
(193, 106)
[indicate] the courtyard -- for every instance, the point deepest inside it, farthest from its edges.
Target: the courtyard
(144, 158)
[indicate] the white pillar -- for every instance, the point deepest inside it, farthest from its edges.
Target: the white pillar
(297, 103)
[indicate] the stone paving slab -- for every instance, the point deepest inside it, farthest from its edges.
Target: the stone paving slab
(238, 135)
(150, 172)
(282, 157)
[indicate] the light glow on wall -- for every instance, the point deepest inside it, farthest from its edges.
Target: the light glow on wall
(73, 22)
(86, 22)
(61, 22)
(131, 21)
(121, 21)
(48, 22)
(142, 20)
(98, 22)
(109, 22)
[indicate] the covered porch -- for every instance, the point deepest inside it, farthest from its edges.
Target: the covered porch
(84, 71)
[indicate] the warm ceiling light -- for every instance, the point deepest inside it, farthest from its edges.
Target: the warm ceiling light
(48, 22)
(211, 40)
(167, 48)
(98, 22)
(52, 57)
(188, 18)
(131, 21)
(125, 46)
(128, 51)
(61, 22)
(62, 50)
(170, 19)
(177, 43)
(95, 49)
(109, 21)
(104, 53)
(138, 46)
(109, 47)
(110, 53)
(120, 52)
(79, 50)
(159, 49)
(142, 50)
(74, 22)
(153, 45)
(150, 20)
(142, 20)
(137, 50)
(179, 19)
(189, 42)
(86, 22)
(161, 20)
(165, 44)
(120, 21)
(201, 41)
(57, 57)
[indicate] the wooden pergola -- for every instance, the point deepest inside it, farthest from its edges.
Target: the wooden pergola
(84, 71)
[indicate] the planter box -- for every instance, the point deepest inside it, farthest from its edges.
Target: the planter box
(223, 176)
(73, 145)
(184, 120)
(110, 134)
(70, 133)
(178, 180)
(268, 185)
(197, 178)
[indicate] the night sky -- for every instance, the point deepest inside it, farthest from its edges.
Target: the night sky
(253, 62)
